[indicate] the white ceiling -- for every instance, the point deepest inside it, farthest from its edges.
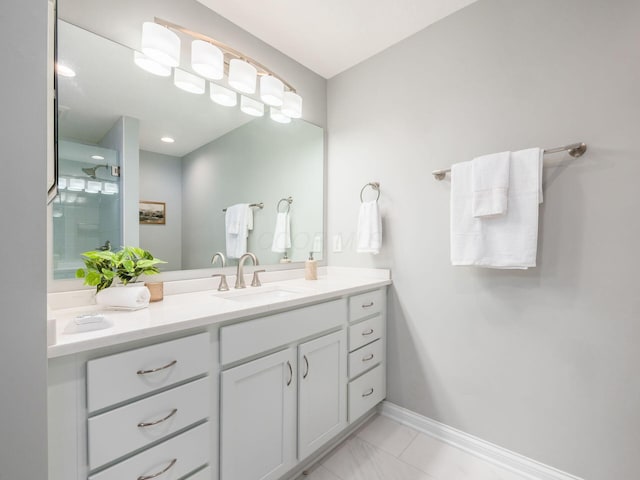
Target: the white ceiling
(330, 36)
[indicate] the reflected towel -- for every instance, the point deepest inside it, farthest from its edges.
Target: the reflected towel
(236, 229)
(369, 228)
(490, 183)
(282, 233)
(131, 297)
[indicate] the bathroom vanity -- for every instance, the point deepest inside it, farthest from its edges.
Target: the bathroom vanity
(240, 385)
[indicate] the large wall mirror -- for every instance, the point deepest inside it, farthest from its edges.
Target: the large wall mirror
(121, 184)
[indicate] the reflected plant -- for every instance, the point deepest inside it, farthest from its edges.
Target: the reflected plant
(103, 267)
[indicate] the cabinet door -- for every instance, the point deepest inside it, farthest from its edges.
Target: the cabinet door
(258, 418)
(322, 400)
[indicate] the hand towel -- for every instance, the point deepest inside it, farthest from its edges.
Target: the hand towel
(490, 183)
(508, 241)
(369, 228)
(130, 297)
(236, 229)
(282, 233)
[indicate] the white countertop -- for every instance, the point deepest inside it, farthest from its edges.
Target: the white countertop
(196, 303)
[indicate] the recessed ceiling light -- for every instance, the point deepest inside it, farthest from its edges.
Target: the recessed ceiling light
(167, 139)
(65, 71)
(97, 157)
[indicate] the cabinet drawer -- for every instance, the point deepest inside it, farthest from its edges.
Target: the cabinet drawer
(118, 432)
(179, 456)
(246, 339)
(365, 304)
(366, 392)
(365, 358)
(365, 332)
(126, 375)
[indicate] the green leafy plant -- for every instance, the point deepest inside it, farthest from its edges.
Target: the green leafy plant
(103, 267)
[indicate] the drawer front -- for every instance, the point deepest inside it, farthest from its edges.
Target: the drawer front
(365, 332)
(246, 339)
(366, 392)
(179, 456)
(365, 358)
(365, 304)
(126, 375)
(125, 429)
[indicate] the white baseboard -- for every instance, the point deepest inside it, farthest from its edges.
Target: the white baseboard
(502, 457)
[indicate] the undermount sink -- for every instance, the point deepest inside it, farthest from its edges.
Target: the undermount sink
(264, 294)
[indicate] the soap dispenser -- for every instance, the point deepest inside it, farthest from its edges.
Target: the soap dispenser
(311, 268)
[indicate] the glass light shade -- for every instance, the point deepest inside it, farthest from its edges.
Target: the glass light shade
(292, 105)
(75, 184)
(251, 107)
(222, 95)
(278, 116)
(160, 44)
(242, 76)
(207, 60)
(271, 90)
(188, 82)
(62, 183)
(93, 187)
(151, 66)
(110, 188)
(65, 71)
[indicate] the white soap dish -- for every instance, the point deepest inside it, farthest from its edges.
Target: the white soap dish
(88, 323)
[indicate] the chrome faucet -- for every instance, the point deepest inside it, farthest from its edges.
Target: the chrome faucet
(239, 274)
(219, 255)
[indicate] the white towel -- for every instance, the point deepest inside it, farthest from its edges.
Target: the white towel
(236, 229)
(130, 297)
(369, 228)
(490, 184)
(509, 241)
(282, 233)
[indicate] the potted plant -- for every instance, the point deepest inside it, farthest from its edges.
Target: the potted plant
(127, 264)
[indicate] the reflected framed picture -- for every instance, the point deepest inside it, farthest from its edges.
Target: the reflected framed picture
(152, 213)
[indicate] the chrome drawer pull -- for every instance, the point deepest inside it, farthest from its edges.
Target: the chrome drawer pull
(151, 424)
(306, 361)
(368, 305)
(149, 477)
(367, 358)
(367, 332)
(154, 370)
(368, 393)
(290, 373)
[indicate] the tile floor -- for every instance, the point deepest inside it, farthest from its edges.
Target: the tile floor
(385, 450)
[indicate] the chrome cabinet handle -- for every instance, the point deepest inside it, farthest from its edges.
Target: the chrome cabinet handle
(368, 393)
(290, 373)
(306, 361)
(367, 358)
(368, 305)
(154, 370)
(367, 332)
(148, 477)
(151, 424)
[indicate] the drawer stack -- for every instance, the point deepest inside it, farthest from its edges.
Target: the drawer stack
(148, 411)
(367, 385)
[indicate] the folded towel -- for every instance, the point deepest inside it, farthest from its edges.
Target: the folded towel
(508, 241)
(369, 228)
(236, 222)
(282, 233)
(490, 184)
(130, 297)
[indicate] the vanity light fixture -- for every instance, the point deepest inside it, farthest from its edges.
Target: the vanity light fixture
(251, 107)
(65, 71)
(151, 66)
(212, 60)
(75, 184)
(277, 115)
(93, 187)
(167, 139)
(110, 188)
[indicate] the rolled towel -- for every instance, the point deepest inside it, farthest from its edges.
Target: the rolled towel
(130, 297)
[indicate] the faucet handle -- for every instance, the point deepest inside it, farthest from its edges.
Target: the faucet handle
(223, 287)
(256, 279)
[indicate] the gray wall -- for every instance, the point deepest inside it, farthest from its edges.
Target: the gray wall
(23, 366)
(161, 181)
(545, 361)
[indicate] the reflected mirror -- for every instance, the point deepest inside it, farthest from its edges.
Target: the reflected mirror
(120, 183)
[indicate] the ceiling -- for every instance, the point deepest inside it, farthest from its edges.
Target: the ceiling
(331, 36)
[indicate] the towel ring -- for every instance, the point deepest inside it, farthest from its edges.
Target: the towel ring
(375, 186)
(288, 201)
